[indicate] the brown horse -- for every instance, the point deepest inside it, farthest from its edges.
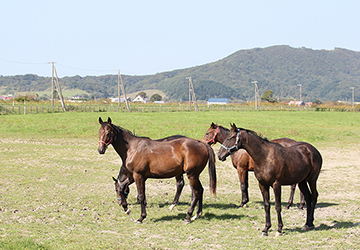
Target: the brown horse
(243, 162)
(144, 158)
(276, 165)
(124, 179)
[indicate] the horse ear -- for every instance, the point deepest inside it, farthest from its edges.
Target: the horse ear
(233, 126)
(114, 179)
(213, 125)
(100, 120)
(109, 120)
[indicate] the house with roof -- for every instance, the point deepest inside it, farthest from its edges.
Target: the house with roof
(113, 99)
(217, 101)
(7, 98)
(139, 98)
(297, 103)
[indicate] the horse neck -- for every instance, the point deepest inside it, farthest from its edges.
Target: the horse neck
(222, 134)
(254, 145)
(121, 143)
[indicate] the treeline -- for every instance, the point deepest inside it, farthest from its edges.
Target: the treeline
(325, 75)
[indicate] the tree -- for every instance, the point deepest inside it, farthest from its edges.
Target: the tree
(155, 97)
(143, 94)
(268, 96)
(318, 102)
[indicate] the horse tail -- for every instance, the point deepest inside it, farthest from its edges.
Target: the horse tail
(212, 169)
(316, 160)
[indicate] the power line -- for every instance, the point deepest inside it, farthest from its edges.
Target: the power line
(11, 61)
(97, 70)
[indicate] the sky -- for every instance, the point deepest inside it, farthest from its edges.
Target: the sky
(141, 37)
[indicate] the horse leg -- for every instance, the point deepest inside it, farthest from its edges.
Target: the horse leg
(179, 187)
(291, 198)
(266, 197)
(277, 192)
(302, 200)
(244, 184)
(196, 198)
(314, 196)
(305, 190)
(140, 184)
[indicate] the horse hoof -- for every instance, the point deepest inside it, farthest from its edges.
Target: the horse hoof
(138, 222)
(195, 217)
(172, 207)
(264, 234)
(278, 234)
(307, 228)
(128, 212)
(187, 221)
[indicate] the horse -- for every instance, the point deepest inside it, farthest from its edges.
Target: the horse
(124, 179)
(276, 165)
(144, 158)
(243, 162)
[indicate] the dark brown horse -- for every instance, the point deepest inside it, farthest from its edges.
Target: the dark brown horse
(124, 179)
(144, 158)
(243, 162)
(275, 166)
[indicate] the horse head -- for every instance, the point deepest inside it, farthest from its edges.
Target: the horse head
(122, 191)
(231, 143)
(106, 135)
(211, 134)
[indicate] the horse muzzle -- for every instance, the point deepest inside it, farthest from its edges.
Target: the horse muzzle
(102, 149)
(222, 157)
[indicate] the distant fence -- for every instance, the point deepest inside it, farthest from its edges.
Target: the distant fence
(25, 109)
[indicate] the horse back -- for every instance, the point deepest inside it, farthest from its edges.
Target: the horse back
(285, 142)
(308, 155)
(313, 156)
(166, 158)
(195, 154)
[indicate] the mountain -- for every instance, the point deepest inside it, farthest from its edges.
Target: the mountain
(323, 75)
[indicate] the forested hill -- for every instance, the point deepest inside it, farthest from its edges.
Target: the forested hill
(323, 75)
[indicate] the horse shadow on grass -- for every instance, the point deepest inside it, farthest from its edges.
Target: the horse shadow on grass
(323, 227)
(206, 214)
(296, 205)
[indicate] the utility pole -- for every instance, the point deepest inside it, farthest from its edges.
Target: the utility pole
(300, 90)
(192, 94)
(257, 95)
(57, 85)
(120, 83)
(353, 96)
(52, 83)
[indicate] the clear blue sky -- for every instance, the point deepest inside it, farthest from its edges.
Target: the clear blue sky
(147, 37)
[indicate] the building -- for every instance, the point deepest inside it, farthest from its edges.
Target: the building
(297, 103)
(6, 98)
(121, 99)
(139, 98)
(218, 101)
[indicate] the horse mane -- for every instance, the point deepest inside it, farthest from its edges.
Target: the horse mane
(118, 129)
(226, 129)
(254, 133)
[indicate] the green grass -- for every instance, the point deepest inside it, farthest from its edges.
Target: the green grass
(56, 191)
(313, 127)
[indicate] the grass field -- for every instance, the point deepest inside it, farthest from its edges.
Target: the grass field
(56, 191)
